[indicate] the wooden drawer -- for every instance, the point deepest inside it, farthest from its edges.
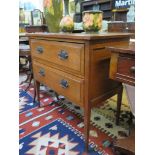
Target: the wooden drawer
(126, 69)
(63, 83)
(68, 55)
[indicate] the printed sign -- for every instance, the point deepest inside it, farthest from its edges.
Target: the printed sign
(123, 3)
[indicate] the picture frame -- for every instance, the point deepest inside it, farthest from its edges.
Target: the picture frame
(37, 17)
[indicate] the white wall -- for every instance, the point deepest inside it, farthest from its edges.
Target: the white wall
(37, 3)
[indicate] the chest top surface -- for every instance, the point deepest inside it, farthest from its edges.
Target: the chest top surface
(80, 36)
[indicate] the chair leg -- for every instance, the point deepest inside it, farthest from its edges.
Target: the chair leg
(37, 90)
(119, 102)
(130, 122)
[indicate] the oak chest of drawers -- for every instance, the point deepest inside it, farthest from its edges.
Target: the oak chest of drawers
(76, 66)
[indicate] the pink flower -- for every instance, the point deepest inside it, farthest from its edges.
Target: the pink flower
(47, 3)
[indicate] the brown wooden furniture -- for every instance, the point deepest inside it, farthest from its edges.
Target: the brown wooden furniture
(123, 64)
(120, 14)
(122, 68)
(37, 17)
(76, 66)
(122, 27)
(36, 28)
(38, 22)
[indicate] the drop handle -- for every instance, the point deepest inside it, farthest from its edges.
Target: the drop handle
(132, 69)
(40, 49)
(64, 83)
(63, 55)
(42, 72)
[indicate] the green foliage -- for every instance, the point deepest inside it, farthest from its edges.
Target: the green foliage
(53, 15)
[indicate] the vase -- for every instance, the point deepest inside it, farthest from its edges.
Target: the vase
(92, 21)
(53, 11)
(66, 24)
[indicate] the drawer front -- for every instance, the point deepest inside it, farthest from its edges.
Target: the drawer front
(68, 55)
(63, 83)
(126, 68)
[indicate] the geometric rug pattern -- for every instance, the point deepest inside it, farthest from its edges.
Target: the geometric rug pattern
(57, 129)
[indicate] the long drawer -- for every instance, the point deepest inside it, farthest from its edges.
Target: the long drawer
(126, 69)
(63, 83)
(68, 55)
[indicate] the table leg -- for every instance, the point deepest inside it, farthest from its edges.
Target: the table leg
(119, 102)
(87, 113)
(34, 97)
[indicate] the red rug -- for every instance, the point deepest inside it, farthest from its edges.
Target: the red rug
(55, 130)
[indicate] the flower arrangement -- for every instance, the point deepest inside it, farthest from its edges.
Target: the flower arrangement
(67, 24)
(92, 21)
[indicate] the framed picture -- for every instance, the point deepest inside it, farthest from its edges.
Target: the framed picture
(37, 17)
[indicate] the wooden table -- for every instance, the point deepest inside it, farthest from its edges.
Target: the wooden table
(77, 67)
(122, 68)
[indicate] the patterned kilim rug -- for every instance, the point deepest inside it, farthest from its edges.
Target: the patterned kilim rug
(57, 129)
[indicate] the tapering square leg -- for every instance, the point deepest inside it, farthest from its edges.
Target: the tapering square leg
(119, 102)
(36, 91)
(87, 113)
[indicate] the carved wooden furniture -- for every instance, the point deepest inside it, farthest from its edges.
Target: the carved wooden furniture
(76, 66)
(122, 68)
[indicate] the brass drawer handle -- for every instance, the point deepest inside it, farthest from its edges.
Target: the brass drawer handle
(64, 84)
(42, 72)
(39, 49)
(132, 69)
(63, 55)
